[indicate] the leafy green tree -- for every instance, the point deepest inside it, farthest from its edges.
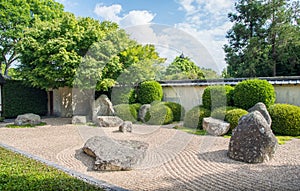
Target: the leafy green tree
(264, 40)
(183, 68)
(15, 17)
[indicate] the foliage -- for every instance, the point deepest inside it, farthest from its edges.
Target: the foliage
(191, 130)
(159, 114)
(123, 95)
(217, 96)
(183, 68)
(233, 116)
(209, 73)
(20, 173)
(220, 112)
(177, 110)
(194, 117)
(25, 126)
(249, 92)
(264, 39)
(149, 91)
(126, 112)
(17, 16)
(285, 119)
(19, 99)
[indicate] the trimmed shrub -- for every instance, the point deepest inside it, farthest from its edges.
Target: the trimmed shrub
(149, 91)
(194, 117)
(249, 92)
(233, 116)
(220, 113)
(159, 114)
(136, 106)
(123, 95)
(126, 112)
(217, 96)
(177, 109)
(285, 119)
(19, 99)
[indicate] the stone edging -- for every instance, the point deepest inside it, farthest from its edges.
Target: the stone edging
(83, 177)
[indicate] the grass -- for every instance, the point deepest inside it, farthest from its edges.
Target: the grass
(21, 173)
(25, 126)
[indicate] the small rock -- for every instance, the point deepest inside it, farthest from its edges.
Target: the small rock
(109, 121)
(114, 155)
(261, 107)
(215, 127)
(252, 141)
(79, 119)
(126, 126)
(28, 118)
(143, 111)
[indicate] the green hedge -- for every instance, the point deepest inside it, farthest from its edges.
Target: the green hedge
(19, 99)
(233, 116)
(219, 113)
(149, 91)
(127, 112)
(159, 114)
(123, 95)
(217, 96)
(177, 109)
(249, 92)
(194, 117)
(285, 119)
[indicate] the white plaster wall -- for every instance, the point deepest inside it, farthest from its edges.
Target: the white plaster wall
(288, 94)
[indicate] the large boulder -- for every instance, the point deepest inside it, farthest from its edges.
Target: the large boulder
(28, 118)
(215, 127)
(104, 107)
(252, 141)
(261, 107)
(114, 155)
(109, 121)
(143, 111)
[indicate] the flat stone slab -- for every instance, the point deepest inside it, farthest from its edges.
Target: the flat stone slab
(215, 127)
(109, 121)
(28, 118)
(114, 155)
(79, 119)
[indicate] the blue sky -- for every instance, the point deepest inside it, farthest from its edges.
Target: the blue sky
(204, 21)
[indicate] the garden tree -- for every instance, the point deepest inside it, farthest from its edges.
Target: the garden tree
(51, 51)
(183, 68)
(15, 17)
(210, 73)
(264, 40)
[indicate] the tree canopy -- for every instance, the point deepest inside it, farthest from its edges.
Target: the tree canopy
(265, 39)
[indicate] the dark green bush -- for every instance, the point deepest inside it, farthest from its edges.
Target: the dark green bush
(217, 96)
(177, 109)
(249, 92)
(285, 119)
(126, 112)
(123, 95)
(194, 117)
(19, 99)
(219, 113)
(233, 116)
(149, 91)
(159, 114)
(136, 106)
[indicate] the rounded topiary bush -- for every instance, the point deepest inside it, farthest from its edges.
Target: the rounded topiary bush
(126, 112)
(233, 116)
(149, 91)
(219, 113)
(217, 96)
(159, 114)
(177, 109)
(285, 119)
(194, 117)
(123, 95)
(249, 92)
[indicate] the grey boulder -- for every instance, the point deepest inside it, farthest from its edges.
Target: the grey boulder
(143, 111)
(114, 155)
(252, 141)
(261, 107)
(109, 121)
(28, 118)
(126, 126)
(215, 127)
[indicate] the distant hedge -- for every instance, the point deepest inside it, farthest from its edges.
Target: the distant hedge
(19, 99)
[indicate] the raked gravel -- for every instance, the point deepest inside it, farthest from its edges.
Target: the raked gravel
(175, 160)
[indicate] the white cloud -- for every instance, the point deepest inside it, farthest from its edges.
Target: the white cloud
(207, 21)
(113, 13)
